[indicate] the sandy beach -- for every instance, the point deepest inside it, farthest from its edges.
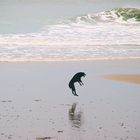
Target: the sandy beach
(37, 104)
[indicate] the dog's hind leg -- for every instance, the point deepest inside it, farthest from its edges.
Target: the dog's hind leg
(74, 91)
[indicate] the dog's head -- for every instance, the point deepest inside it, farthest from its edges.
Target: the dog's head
(83, 74)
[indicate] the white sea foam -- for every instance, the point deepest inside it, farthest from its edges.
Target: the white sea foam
(95, 36)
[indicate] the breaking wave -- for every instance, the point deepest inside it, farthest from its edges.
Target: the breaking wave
(119, 15)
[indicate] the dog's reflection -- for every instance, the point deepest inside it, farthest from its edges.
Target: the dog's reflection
(75, 117)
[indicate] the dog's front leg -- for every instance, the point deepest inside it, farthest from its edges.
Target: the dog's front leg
(80, 82)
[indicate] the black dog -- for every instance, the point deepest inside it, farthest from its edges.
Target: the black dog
(76, 78)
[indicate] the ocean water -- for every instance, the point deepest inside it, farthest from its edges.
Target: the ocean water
(44, 30)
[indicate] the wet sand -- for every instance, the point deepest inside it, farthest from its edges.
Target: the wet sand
(37, 104)
(131, 78)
